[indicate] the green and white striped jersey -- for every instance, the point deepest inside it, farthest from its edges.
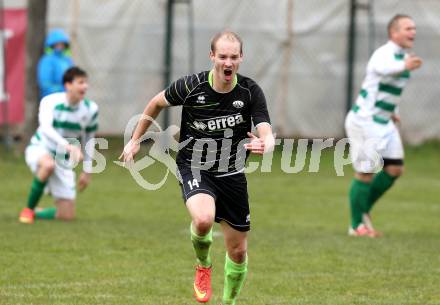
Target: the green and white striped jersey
(60, 121)
(383, 85)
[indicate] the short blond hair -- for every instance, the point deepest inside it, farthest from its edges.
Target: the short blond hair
(228, 35)
(394, 22)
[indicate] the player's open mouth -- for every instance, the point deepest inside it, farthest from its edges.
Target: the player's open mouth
(228, 73)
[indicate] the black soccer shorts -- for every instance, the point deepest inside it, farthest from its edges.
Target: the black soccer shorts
(229, 193)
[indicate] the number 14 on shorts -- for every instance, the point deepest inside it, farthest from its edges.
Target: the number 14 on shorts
(193, 184)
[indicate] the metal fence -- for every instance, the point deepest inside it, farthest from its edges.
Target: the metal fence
(295, 50)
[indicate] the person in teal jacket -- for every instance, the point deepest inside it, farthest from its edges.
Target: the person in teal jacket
(55, 61)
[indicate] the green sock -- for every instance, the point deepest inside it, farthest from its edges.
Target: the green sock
(47, 213)
(382, 181)
(359, 194)
(202, 246)
(36, 192)
(235, 275)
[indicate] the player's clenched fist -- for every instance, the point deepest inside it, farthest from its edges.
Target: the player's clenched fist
(75, 153)
(413, 62)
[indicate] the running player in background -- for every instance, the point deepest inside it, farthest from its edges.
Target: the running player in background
(62, 117)
(219, 107)
(371, 124)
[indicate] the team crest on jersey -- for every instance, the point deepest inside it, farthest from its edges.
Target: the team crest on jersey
(199, 125)
(238, 104)
(200, 99)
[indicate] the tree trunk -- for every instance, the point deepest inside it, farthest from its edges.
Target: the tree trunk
(36, 32)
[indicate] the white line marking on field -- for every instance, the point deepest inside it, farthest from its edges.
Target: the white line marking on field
(65, 296)
(97, 282)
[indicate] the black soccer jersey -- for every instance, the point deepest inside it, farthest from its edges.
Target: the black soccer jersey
(214, 124)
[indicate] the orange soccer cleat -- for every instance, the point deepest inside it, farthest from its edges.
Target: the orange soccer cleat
(27, 216)
(366, 219)
(202, 284)
(361, 230)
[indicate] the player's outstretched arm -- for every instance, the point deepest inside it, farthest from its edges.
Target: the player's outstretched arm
(265, 142)
(151, 111)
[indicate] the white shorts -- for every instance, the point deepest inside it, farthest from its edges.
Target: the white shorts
(62, 182)
(371, 142)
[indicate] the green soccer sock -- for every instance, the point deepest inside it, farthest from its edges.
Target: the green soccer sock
(382, 182)
(47, 213)
(359, 195)
(235, 275)
(202, 246)
(36, 192)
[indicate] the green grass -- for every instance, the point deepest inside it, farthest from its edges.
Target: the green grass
(131, 246)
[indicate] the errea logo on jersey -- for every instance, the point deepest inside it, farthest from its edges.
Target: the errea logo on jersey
(200, 99)
(238, 104)
(219, 123)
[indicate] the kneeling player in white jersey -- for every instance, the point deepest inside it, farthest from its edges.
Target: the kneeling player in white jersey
(63, 117)
(370, 125)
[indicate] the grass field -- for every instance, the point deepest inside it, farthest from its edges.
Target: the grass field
(131, 246)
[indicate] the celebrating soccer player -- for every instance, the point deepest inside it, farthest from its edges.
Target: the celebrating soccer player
(218, 109)
(371, 124)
